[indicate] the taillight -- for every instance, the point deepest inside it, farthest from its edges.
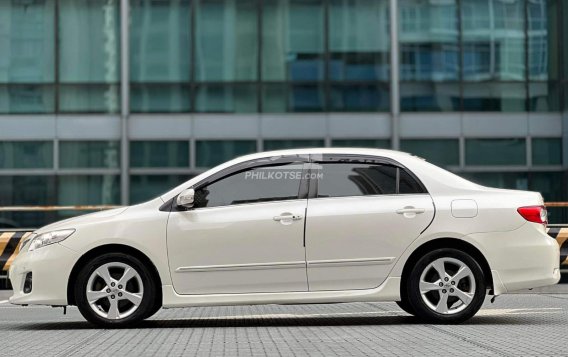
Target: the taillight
(536, 214)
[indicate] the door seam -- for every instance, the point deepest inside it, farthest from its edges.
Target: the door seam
(305, 248)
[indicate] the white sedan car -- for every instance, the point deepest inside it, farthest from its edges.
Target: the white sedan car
(296, 226)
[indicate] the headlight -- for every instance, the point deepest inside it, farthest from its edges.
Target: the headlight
(25, 242)
(49, 238)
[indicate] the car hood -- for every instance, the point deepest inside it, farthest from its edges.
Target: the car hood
(73, 222)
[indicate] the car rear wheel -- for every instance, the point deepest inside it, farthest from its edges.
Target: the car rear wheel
(115, 290)
(446, 286)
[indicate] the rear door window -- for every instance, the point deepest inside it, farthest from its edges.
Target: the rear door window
(355, 179)
(342, 179)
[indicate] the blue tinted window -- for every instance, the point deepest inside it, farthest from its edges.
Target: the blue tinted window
(359, 40)
(160, 98)
(277, 98)
(160, 52)
(307, 98)
(547, 151)
(544, 97)
(159, 154)
(495, 152)
(88, 190)
(293, 40)
(429, 40)
(430, 96)
(369, 143)
(443, 152)
(89, 55)
(511, 180)
(214, 152)
(27, 47)
(89, 154)
(160, 41)
(361, 97)
(26, 155)
(146, 187)
(292, 144)
(226, 98)
(494, 97)
(493, 34)
(26, 99)
(226, 40)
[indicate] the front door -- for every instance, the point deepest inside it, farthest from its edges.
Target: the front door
(244, 235)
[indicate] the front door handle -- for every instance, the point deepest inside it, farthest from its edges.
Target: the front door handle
(287, 217)
(410, 209)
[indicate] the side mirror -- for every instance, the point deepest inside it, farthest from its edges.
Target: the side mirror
(185, 198)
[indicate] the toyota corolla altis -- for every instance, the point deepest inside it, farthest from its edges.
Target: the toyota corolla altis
(296, 226)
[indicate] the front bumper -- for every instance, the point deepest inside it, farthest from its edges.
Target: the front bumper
(50, 267)
(521, 259)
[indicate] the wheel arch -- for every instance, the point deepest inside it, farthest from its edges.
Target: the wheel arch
(446, 243)
(113, 248)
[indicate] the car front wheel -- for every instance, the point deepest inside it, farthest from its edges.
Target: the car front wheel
(446, 286)
(115, 290)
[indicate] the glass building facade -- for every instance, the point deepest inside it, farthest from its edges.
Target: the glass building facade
(115, 101)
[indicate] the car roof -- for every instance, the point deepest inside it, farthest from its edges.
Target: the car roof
(332, 150)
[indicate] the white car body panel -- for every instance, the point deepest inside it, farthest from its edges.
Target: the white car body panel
(354, 242)
(260, 254)
(238, 255)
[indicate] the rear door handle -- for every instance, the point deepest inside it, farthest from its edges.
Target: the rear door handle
(410, 209)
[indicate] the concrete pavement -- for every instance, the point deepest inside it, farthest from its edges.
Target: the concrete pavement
(519, 324)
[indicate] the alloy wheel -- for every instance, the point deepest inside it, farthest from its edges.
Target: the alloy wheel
(447, 286)
(114, 290)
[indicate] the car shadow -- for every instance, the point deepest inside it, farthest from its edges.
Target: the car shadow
(296, 321)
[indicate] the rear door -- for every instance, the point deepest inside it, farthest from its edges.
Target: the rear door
(361, 216)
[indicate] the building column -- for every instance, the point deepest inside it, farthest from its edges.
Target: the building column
(394, 75)
(125, 101)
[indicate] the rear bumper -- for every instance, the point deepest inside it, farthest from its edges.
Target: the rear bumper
(50, 267)
(521, 259)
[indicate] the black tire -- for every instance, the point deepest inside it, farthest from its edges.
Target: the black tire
(405, 306)
(461, 314)
(151, 312)
(146, 307)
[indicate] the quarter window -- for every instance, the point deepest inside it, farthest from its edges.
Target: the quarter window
(260, 184)
(407, 184)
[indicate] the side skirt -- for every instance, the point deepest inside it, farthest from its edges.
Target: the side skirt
(389, 290)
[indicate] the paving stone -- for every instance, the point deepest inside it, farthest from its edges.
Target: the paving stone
(521, 324)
